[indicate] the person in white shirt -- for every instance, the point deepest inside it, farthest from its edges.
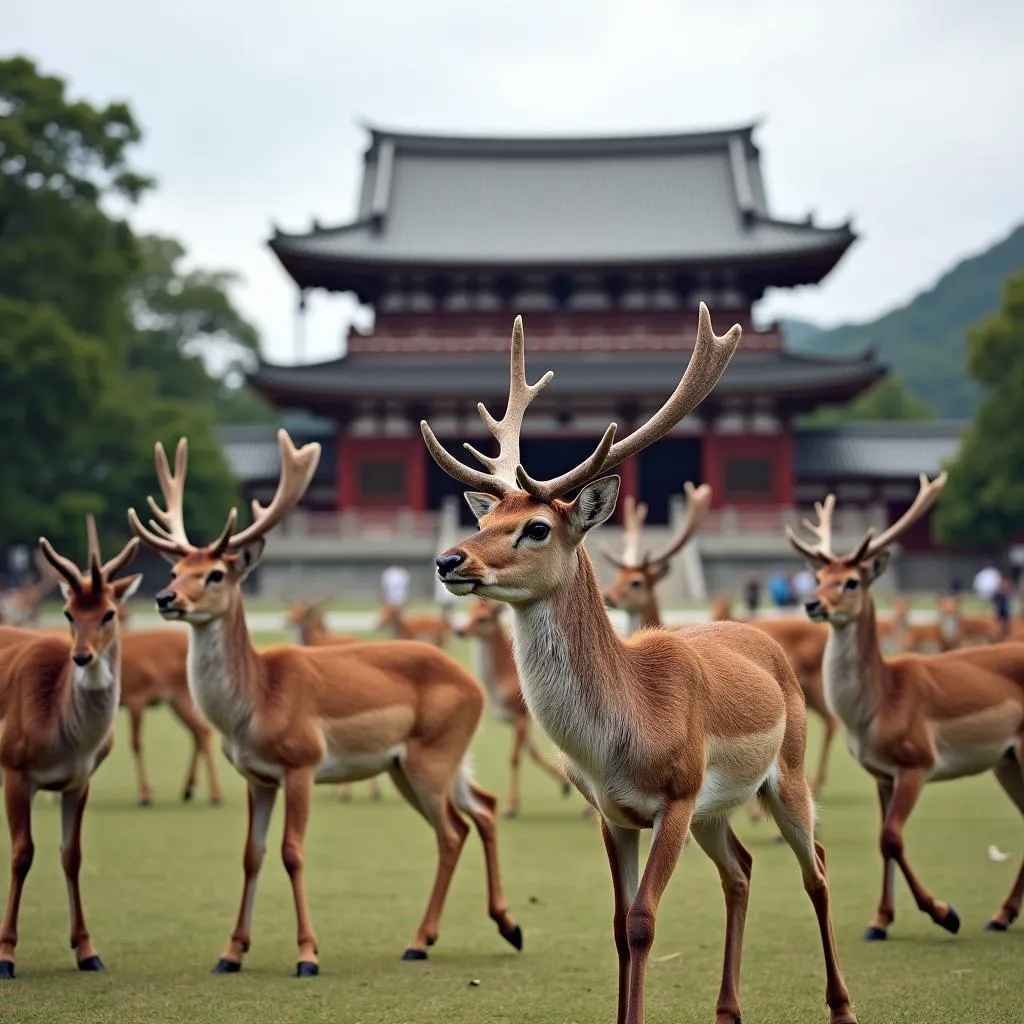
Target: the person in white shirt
(804, 584)
(986, 583)
(394, 586)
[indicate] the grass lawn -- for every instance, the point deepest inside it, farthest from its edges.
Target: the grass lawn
(161, 888)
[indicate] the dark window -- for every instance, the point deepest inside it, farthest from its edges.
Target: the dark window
(382, 479)
(750, 477)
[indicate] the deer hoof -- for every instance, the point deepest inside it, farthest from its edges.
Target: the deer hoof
(512, 812)
(306, 969)
(223, 966)
(186, 795)
(146, 801)
(414, 954)
(876, 934)
(91, 963)
(215, 801)
(514, 938)
(6, 970)
(951, 922)
(566, 788)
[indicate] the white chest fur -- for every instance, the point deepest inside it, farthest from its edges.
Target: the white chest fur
(846, 695)
(210, 682)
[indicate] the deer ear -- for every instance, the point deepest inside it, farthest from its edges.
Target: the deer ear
(594, 504)
(480, 504)
(124, 588)
(246, 559)
(877, 565)
(660, 570)
(65, 590)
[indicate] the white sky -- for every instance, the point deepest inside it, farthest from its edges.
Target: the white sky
(907, 116)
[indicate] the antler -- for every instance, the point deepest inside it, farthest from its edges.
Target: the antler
(63, 565)
(711, 355)
(167, 532)
(297, 468)
(100, 573)
(697, 501)
(822, 551)
(927, 495)
(633, 518)
(501, 480)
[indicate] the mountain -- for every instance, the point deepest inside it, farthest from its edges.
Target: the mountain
(924, 341)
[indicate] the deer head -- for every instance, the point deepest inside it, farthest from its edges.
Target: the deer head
(92, 599)
(844, 581)
(529, 533)
(484, 620)
(302, 613)
(207, 580)
(632, 590)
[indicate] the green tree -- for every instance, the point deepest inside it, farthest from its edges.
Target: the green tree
(889, 399)
(983, 503)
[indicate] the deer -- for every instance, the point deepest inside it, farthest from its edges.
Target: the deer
(22, 606)
(154, 671)
(666, 730)
(912, 719)
(58, 702)
(432, 629)
(293, 716)
(633, 589)
(497, 671)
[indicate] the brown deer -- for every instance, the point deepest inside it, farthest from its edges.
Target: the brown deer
(291, 717)
(633, 589)
(497, 671)
(22, 607)
(665, 730)
(915, 718)
(431, 629)
(154, 671)
(58, 701)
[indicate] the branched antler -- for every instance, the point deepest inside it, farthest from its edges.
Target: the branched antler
(698, 500)
(821, 552)
(927, 495)
(634, 515)
(100, 574)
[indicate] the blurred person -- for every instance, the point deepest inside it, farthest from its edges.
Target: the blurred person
(779, 588)
(1002, 606)
(986, 583)
(394, 586)
(752, 595)
(804, 584)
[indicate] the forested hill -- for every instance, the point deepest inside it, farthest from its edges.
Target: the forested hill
(924, 341)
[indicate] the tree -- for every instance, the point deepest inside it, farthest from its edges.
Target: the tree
(983, 503)
(889, 399)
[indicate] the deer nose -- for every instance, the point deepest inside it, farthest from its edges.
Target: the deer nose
(812, 606)
(81, 658)
(164, 600)
(449, 563)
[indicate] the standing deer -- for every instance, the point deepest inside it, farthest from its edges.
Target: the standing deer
(58, 701)
(22, 607)
(431, 629)
(291, 717)
(497, 671)
(665, 730)
(913, 719)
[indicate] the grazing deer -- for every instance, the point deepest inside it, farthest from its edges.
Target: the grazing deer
(921, 637)
(291, 717)
(58, 701)
(431, 629)
(633, 589)
(154, 670)
(497, 671)
(22, 607)
(665, 730)
(308, 619)
(913, 719)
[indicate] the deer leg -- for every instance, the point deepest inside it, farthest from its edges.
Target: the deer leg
(145, 796)
(261, 806)
(344, 792)
(670, 829)
(544, 764)
(72, 811)
(830, 725)
(521, 725)
(623, 848)
(734, 864)
(886, 913)
(298, 793)
(791, 805)
(202, 746)
(1011, 778)
(908, 788)
(481, 807)
(375, 790)
(433, 803)
(18, 804)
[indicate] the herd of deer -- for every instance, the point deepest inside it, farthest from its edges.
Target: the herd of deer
(665, 729)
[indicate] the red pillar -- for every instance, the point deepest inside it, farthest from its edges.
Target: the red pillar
(629, 474)
(342, 497)
(712, 466)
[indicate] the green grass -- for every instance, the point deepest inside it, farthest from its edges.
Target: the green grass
(161, 889)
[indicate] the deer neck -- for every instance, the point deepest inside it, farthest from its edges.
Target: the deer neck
(571, 666)
(224, 669)
(93, 697)
(949, 627)
(853, 668)
(648, 617)
(494, 661)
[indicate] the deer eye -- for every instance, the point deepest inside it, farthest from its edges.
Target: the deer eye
(851, 584)
(215, 576)
(108, 616)
(636, 584)
(536, 530)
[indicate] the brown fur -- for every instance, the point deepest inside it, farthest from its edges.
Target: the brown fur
(308, 619)
(432, 629)
(505, 693)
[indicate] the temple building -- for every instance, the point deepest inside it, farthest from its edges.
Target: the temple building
(605, 246)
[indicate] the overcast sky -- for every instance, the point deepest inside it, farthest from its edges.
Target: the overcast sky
(906, 116)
